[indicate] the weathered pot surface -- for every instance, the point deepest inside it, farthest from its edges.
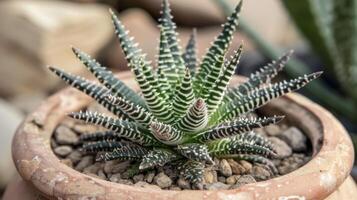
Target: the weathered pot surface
(330, 166)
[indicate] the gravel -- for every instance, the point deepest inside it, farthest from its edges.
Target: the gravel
(290, 144)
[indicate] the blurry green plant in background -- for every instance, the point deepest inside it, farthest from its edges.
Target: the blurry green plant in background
(330, 27)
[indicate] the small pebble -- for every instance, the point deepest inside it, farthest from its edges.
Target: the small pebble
(86, 161)
(221, 179)
(65, 135)
(197, 186)
(224, 168)
(75, 156)
(125, 181)
(115, 177)
(246, 165)
(242, 180)
(175, 188)
(120, 167)
(282, 149)
(67, 162)
(232, 179)
(290, 164)
(149, 177)
(183, 184)
(93, 168)
(217, 186)
(162, 180)
(273, 130)
(109, 165)
(63, 150)
(101, 174)
(138, 177)
(53, 143)
(236, 167)
(209, 176)
(144, 184)
(294, 138)
(260, 173)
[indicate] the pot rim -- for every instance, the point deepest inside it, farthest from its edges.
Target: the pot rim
(36, 162)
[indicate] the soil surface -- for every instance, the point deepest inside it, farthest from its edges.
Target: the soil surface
(292, 146)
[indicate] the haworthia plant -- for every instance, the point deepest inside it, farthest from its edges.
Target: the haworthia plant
(184, 116)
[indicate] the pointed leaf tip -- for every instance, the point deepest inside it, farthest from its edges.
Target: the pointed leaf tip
(279, 118)
(200, 103)
(317, 74)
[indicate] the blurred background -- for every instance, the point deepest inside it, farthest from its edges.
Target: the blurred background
(37, 33)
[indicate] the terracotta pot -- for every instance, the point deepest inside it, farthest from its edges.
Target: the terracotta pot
(331, 164)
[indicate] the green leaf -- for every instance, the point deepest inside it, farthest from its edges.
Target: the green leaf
(235, 127)
(195, 151)
(155, 102)
(107, 78)
(158, 157)
(192, 171)
(258, 78)
(183, 96)
(143, 72)
(211, 61)
(166, 133)
(125, 129)
(98, 136)
(216, 94)
(124, 153)
(135, 112)
(246, 143)
(167, 72)
(92, 89)
(108, 146)
(190, 55)
(168, 26)
(260, 97)
(195, 119)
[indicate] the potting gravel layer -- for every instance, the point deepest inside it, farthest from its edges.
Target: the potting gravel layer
(292, 147)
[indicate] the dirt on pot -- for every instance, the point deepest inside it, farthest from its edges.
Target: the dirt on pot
(292, 147)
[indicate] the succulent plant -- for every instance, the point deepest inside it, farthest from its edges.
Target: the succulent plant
(182, 116)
